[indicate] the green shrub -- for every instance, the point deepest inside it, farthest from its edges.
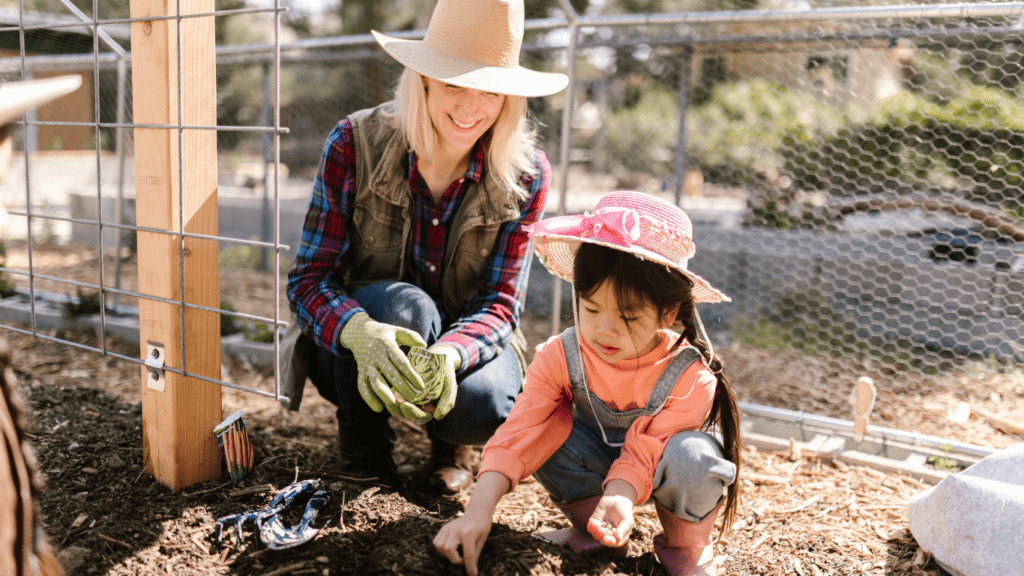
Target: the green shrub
(944, 462)
(241, 257)
(741, 128)
(6, 287)
(642, 138)
(974, 143)
(806, 321)
(260, 332)
(228, 325)
(86, 304)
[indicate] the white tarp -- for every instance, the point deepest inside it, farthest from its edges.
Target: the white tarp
(973, 522)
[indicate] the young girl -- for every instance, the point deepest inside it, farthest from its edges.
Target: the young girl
(617, 410)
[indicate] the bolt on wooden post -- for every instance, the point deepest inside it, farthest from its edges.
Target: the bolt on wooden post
(176, 188)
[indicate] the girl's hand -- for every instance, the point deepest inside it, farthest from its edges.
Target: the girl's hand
(461, 540)
(612, 520)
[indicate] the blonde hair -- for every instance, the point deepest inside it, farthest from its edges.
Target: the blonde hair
(510, 153)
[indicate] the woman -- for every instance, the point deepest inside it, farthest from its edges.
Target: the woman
(414, 238)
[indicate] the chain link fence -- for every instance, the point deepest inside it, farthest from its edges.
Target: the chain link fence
(855, 175)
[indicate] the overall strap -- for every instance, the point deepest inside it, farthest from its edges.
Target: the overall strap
(573, 361)
(662, 388)
(670, 376)
(587, 408)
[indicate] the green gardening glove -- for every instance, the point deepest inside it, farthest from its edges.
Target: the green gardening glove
(437, 366)
(383, 369)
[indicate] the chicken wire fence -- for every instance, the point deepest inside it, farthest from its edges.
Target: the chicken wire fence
(854, 174)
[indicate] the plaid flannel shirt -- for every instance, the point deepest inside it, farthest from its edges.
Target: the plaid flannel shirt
(485, 327)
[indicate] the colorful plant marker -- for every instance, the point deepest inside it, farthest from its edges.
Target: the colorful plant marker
(231, 436)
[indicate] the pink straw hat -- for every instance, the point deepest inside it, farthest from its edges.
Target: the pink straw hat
(634, 222)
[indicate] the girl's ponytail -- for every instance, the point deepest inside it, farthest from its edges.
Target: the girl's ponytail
(725, 413)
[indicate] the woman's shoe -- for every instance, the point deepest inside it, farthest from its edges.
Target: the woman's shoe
(366, 454)
(450, 466)
(685, 548)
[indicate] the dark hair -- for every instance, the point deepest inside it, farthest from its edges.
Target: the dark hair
(640, 283)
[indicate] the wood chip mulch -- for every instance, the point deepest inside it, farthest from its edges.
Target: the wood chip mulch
(801, 513)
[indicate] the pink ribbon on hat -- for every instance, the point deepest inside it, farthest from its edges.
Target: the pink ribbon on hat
(621, 224)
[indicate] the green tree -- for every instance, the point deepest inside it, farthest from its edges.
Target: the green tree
(361, 16)
(107, 9)
(545, 8)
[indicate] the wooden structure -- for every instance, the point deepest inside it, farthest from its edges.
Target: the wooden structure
(24, 550)
(176, 189)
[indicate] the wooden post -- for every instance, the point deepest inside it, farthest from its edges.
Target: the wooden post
(178, 442)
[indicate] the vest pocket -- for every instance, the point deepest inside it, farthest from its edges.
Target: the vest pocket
(377, 245)
(470, 261)
(377, 230)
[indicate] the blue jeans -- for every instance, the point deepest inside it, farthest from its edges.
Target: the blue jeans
(690, 478)
(485, 395)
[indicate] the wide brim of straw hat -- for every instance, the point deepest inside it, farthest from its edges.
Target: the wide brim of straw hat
(16, 98)
(512, 81)
(555, 241)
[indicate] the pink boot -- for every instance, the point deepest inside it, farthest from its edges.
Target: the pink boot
(577, 538)
(685, 547)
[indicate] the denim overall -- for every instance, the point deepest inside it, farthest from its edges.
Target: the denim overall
(689, 480)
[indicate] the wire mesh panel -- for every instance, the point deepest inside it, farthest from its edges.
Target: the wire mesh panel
(73, 178)
(856, 183)
(854, 175)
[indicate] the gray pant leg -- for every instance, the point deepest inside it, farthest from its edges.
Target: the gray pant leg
(692, 475)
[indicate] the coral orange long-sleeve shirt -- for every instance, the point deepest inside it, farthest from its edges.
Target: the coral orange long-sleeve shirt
(541, 420)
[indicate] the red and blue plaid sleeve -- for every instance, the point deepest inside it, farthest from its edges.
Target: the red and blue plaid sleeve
(485, 329)
(322, 306)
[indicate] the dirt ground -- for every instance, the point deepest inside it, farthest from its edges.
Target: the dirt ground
(801, 514)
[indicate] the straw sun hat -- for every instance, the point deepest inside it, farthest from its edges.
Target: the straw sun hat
(474, 44)
(16, 98)
(633, 222)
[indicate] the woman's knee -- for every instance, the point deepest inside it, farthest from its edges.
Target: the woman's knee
(401, 304)
(692, 475)
(485, 396)
(480, 408)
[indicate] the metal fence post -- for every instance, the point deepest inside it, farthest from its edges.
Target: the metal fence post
(685, 68)
(122, 79)
(267, 157)
(563, 152)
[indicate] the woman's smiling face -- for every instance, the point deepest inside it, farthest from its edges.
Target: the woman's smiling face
(461, 115)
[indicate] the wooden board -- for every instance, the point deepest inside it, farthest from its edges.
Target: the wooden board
(177, 422)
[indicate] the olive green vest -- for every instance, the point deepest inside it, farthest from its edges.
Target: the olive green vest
(380, 228)
(381, 219)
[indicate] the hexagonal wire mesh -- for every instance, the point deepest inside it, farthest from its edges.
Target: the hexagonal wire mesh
(855, 177)
(884, 171)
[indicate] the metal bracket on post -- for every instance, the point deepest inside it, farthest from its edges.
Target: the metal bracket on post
(155, 364)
